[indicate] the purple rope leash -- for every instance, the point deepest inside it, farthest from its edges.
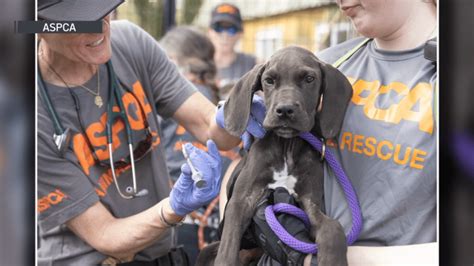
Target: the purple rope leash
(280, 231)
(349, 192)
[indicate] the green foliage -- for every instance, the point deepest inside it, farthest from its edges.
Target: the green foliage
(150, 16)
(191, 9)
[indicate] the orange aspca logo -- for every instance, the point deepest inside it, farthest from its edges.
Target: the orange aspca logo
(96, 131)
(421, 95)
(180, 130)
(226, 9)
(53, 198)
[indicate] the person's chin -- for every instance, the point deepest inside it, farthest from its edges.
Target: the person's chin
(226, 44)
(98, 57)
(363, 27)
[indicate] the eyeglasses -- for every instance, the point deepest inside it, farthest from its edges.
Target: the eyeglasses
(142, 148)
(231, 30)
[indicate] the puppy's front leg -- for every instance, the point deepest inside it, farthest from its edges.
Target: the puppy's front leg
(238, 214)
(329, 235)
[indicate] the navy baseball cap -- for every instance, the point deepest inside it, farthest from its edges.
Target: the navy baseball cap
(226, 13)
(76, 10)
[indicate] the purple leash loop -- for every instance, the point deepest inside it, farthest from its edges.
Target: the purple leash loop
(349, 192)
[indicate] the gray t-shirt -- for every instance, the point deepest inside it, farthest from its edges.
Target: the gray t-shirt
(68, 186)
(387, 145)
(228, 76)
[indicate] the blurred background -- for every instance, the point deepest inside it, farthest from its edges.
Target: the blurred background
(456, 94)
(17, 150)
(268, 26)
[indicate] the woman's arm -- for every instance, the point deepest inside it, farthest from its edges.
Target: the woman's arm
(198, 115)
(419, 254)
(121, 238)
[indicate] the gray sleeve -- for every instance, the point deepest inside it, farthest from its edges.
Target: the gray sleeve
(63, 191)
(170, 89)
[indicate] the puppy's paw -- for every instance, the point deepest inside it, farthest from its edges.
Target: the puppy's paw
(207, 255)
(332, 247)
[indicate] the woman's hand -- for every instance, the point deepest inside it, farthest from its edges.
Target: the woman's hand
(254, 126)
(185, 196)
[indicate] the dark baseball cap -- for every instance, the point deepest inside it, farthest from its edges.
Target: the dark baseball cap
(226, 13)
(76, 10)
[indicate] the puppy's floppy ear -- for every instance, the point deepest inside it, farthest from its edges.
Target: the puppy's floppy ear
(336, 92)
(237, 107)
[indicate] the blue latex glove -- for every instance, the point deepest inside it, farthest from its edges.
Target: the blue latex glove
(185, 197)
(254, 125)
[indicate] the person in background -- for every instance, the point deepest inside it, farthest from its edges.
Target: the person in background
(225, 31)
(193, 54)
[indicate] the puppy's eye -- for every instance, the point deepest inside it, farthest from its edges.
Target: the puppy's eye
(309, 79)
(269, 81)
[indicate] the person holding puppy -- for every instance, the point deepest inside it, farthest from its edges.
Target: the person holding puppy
(387, 144)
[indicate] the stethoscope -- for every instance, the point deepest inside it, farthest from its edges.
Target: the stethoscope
(62, 136)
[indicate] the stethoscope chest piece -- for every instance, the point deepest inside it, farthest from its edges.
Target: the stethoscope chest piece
(62, 141)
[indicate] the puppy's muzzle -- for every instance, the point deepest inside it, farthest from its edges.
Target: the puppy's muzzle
(286, 110)
(286, 119)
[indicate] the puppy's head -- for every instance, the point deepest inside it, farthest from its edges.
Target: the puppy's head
(294, 83)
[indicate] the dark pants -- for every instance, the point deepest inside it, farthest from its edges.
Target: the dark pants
(188, 239)
(176, 257)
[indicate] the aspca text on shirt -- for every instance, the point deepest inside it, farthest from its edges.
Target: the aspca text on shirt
(95, 133)
(405, 104)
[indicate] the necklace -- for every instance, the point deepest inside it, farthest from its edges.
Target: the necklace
(97, 99)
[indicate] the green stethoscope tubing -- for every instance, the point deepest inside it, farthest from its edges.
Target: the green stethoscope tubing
(62, 136)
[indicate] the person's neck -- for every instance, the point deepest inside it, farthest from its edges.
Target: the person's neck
(414, 32)
(58, 69)
(224, 58)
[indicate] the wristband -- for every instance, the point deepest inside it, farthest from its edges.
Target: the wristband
(168, 224)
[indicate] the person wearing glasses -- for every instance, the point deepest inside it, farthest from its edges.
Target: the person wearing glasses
(103, 187)
(225, 31)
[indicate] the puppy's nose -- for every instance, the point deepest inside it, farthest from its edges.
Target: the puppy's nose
(287, 110)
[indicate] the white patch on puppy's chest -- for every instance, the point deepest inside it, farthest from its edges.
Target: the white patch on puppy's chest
(283, 179)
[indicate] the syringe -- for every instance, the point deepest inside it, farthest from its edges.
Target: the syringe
(196, 175)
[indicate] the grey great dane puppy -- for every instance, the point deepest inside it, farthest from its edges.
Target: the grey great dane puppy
(295, 83)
